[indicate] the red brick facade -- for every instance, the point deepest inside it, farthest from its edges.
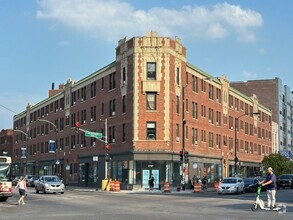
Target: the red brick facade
(119, 93)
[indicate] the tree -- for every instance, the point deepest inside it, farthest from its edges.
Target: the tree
(279, 163)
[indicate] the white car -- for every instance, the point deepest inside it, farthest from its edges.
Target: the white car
(49, 184)
(231, 185)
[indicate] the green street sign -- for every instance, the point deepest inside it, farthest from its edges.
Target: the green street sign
(93, 134)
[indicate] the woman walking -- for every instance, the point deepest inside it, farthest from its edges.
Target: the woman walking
(21, 185)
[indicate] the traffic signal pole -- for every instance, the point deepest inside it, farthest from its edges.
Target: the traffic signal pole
(94, 135)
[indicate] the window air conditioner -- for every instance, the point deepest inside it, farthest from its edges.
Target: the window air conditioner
(177, 138)
(113, 140)
(113, 113)
(195, 142)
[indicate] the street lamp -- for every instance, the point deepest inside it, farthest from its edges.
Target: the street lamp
(57, 162)
(236, 160)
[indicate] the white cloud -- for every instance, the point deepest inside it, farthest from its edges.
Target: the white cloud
(114, 19)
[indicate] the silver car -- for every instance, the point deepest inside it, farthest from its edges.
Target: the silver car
(49, 184)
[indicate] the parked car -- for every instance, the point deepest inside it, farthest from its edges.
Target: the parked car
(15, 180)
(231, 185)
(31, 181)
(250, 184)
(49, 184)
(285, 180)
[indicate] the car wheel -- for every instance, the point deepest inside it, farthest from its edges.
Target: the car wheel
(292, 186)
(37, 191)
(254, 207)
(62, 192)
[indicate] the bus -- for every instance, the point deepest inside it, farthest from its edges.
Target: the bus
(5, 181)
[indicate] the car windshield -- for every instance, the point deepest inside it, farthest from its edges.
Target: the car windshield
(286, 177)
(4, 171)
(248, 180)
(229, 181)
(52, 179)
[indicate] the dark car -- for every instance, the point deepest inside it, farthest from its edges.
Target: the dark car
(285, 180)
(31, 181)
(15, 180)
(250, 184)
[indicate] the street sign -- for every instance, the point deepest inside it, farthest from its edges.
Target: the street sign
(93, 134)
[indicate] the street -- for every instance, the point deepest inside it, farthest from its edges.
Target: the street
(125, 205)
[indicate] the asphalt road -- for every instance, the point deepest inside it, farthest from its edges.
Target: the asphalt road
(83, 205)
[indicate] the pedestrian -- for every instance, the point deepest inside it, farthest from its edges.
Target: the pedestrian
(21, 185)
(270, 183)
(151, 183)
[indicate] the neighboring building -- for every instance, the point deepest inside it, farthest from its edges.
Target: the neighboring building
(6, 142)
(145, 100)
(277, 97)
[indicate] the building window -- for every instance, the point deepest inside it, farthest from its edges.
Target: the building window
(112, 107)
(211, 91)
(218, 141)
(93, 89)
(194, 110)
(123, 132)
(211, 115)
(112, 81)
(203, 85)
(124, 75)
(177, 76)
(83, 116)
(102, 83)
(203, 111)
(123, 104)
(211, 139)
(73, 100)
(218, 118)
(194, 84)
(177, 133)
(93, 113)
(194, 136)
(112, 134)
(151, 131)
(151, 71)
(82, 140)
(218, 91)
(151, 100)
(73, 143)
(83, 93)
(102, 108)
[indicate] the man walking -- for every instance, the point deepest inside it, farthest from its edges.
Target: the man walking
(270, 183)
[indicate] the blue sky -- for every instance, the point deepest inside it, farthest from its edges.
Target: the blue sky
(45, 41)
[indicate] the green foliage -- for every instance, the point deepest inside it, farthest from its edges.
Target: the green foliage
(279, 163)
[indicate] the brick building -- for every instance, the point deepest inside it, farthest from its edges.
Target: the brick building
(277, 97)
(6, 142)
(149, 96)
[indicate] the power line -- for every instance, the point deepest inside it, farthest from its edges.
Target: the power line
(8, 109)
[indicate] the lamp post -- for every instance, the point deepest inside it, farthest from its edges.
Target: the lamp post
(56, 147)
(23, 149)
(236, 160)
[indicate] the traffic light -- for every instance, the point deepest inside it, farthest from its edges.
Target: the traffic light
(77, 127)
(186, 156)
(107, 153)
(181, 156)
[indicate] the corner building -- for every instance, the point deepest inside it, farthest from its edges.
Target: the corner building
(149, 96)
